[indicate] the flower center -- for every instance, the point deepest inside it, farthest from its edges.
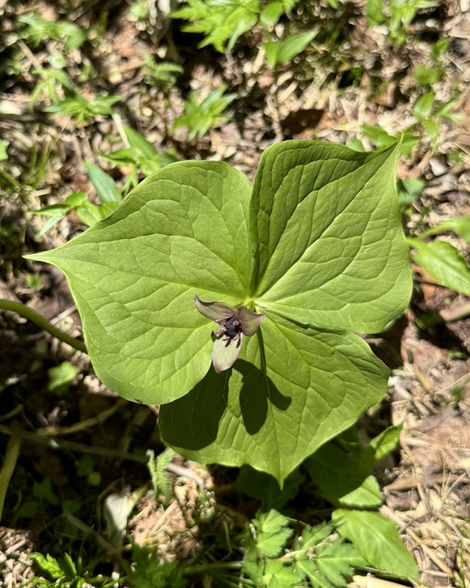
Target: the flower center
(232, 326)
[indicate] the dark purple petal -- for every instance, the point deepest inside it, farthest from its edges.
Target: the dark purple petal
(250, 320)
(215, 311)
(225, 352)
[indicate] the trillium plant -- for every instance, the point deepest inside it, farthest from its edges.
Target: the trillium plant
(237, 308)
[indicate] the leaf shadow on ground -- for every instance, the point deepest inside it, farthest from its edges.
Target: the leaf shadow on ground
(189, 423)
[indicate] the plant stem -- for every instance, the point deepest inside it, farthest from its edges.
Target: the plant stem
(9, 464)
(207, 568)
(42, 322)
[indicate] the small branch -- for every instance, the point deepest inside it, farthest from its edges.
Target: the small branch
(82, 425)
(78, 447)
(9, 464)
(42, 322)
(207, 568)
(102, 451)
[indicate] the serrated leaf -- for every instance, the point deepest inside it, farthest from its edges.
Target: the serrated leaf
(106, 189)
(312, 536)
(376, 539)
(48, 565)
(334, 561)
(318, 214)
(272, 532)
(273, 422)
(135, 290)
(380, 138)
(443, 263)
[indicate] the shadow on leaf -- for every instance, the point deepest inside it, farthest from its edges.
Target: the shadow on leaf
(192, 422)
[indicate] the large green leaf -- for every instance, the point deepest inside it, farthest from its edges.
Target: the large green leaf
(326, 231)
(377, 540)
(329, 257)
(316, 385)
(343, 478)
(134, 276)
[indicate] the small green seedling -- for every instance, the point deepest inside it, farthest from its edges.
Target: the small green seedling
(199, 117)
(163, 75)
(86, 469)
(278, 52)
(106, 190)
(60, 377)
(441, 260)
(39, 29)
(140, 156)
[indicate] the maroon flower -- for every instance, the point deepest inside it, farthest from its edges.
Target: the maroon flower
(233, 325)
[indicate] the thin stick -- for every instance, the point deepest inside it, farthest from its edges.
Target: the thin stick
(9, 464)
(42, 322)
(78, 447)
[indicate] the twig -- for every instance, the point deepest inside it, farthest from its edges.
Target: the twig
(118, 122)
(42, 322)
(78, 447)
(102, 451)
(9, 464)
(82, 425)
(29, 54)
(102, 542)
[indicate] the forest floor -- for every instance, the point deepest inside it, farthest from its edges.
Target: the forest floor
(351, 76)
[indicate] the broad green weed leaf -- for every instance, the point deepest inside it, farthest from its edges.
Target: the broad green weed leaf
(134, 276)
(271, 49)
(326, 231)
(380, 138)
(271, 14)
(443, 263)
(423, 107)
(294, 45)
(140, 143)
(377, 540)
(60, 377)
(374, 12)
(343, 478)
(89, 214)
(105, 187)
(386, 442)
(460, 226)
(316, 385)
